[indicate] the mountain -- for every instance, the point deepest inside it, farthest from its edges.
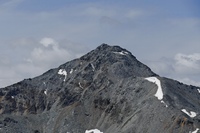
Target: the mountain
(105, 91)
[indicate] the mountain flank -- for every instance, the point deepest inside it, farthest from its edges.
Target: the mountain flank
(105, 91)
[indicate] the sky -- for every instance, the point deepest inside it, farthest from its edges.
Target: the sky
(37, 35)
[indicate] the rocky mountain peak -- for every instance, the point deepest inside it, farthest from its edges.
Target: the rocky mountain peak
(118, 60)
(106, 47)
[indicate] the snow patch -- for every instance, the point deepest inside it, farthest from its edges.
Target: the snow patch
(93, 131)
(195, 131)
(63, 72)
(191, 113)
(45, 92)
(164, 103)
(159, 93)
(198, 90)
(12, 97)
(121, 53)
(93, 68)
(71, 71)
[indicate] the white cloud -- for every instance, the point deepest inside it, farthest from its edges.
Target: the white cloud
(35, 58)
(187, 64)
(50, 53)
(48, 41)
(184, 68)
(182, 65)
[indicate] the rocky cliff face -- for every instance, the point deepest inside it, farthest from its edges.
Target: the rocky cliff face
(107, 90)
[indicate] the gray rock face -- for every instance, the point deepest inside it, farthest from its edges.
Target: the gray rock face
(105, 89)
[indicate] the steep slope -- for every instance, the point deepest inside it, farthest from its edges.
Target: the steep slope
(107, 90)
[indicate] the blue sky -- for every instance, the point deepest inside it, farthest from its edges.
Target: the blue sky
(165, 35)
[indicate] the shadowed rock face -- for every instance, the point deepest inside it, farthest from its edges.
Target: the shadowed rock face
(105, 89)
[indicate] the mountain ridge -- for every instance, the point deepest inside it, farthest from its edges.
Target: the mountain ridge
(107, 89)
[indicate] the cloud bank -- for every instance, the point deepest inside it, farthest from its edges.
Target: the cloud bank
(182, 67)
(187, 64)
(47, 53)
